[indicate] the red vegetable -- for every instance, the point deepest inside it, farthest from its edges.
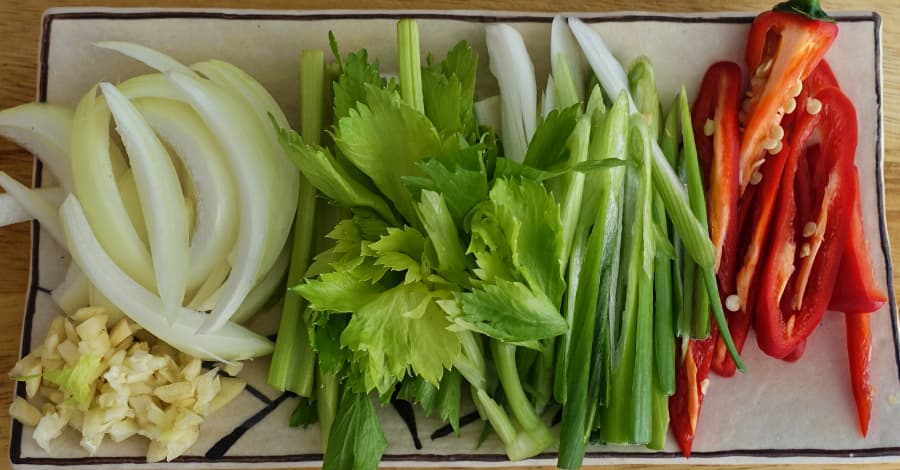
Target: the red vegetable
(783, 48)
(810, 226)
(859, 290)
(797, 353)
(859, 351)
(716, 110)
(691, 370)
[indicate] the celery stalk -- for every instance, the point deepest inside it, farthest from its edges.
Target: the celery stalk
(293, 362)
(410, 64)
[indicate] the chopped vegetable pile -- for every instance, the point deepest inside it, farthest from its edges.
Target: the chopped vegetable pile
(570, 262)
(97, 377)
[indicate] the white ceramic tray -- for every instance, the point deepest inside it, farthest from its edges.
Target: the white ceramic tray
(800, 412)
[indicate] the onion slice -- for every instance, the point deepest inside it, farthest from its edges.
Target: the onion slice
(232, 342)
(254, 95)
(271, 283)
(216, 223)
(39, 208)
(151, 57)
(73, 292)
(223, 113)
(95, 185)
(45, 130)
(11, 212)
(162, 202)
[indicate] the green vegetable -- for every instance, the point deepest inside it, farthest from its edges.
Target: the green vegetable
(642, 83)
(695, 183)
(293, 362)
(356, 440)
(77, 381)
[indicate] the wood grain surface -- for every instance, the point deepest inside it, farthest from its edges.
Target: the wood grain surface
(20, 23)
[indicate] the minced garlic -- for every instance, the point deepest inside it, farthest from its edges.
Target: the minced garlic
(96, 377)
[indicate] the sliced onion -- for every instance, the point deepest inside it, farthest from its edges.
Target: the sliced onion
(72, 293)
(239, 83)
(231, 342)
(11, 212)
(207, 294)
(151, 57)
(151, 85)
(267, 287)
(95, 185)
(217, 218)
(45, 130)
(39, 208)
(222, 113)
(132, 202)
(162, 202)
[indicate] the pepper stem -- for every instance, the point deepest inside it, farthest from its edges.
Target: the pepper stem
(807, 8)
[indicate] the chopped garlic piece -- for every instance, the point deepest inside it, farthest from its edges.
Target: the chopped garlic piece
(119, 332)
(147, 387)
(231, 368)
(86, 313)
(174, 391)
(25, 412)
(48, 428)
(68, 350)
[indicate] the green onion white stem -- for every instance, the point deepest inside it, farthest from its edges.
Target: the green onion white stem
(512, 66)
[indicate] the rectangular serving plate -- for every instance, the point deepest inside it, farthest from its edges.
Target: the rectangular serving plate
(776, 412)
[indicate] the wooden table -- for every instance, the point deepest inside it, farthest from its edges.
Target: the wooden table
(20, 22)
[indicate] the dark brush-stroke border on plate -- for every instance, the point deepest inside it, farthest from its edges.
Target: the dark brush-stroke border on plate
(15, 450)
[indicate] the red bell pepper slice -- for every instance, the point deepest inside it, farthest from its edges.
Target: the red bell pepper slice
(691, 380)
(755, 213)
(807, 238)
(797, 353)
(859, 289)
(783, 48)
(714, 117)
(859, 351)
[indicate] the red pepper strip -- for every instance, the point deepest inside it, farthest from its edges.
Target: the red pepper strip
(717, 104)
(782, 50)
(822, 77)
(692, 369)
(859, 289)
(797, 353)
(859, 351)
(799, 274)
(755, 207)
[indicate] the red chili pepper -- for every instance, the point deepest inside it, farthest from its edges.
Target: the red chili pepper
(714, 116)
(692, 369)
(797, 353)
(859, 289)
(859, 351)
(783, 48)
(754, 214)
(715, 112)
(810, 226)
